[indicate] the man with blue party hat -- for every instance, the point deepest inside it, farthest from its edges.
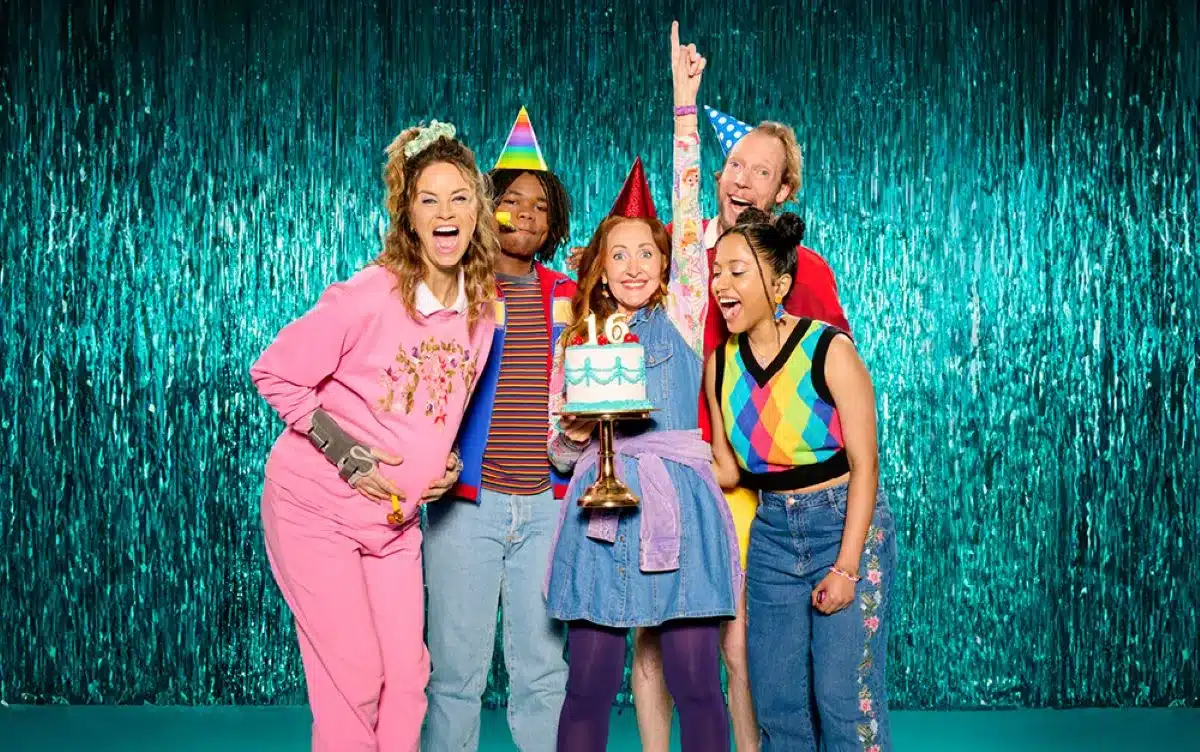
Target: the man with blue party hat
(488, 542)
(762, 168)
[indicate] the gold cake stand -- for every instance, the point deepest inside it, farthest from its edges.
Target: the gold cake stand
(608, 492)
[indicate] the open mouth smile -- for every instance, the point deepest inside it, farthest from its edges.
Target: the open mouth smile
(445, 239)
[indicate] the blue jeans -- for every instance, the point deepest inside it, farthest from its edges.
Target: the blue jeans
(818, 682)
(478, 555)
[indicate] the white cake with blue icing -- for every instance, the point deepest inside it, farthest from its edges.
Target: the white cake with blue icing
(604, 378)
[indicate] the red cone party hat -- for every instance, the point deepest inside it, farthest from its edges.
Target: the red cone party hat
(635, 201)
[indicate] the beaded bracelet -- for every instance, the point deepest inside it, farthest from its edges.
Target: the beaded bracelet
(844, 573)
(685, 109)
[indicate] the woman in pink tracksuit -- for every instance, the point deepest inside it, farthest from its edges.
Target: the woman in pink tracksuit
(372, 384)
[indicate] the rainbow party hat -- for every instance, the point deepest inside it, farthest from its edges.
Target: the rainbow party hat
(521, 151)
(729, 129)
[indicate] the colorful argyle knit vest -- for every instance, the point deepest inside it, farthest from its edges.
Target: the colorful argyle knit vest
(781, 420)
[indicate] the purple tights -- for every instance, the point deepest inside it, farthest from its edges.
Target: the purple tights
(691, 666)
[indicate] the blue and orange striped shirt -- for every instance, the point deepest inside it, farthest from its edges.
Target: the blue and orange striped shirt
(515, 459)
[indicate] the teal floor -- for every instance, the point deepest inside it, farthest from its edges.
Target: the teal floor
(130, 729)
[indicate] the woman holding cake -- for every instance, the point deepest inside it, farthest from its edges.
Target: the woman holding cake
(671, 564)
(822, 548)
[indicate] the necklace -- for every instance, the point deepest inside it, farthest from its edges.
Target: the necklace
(778, 345)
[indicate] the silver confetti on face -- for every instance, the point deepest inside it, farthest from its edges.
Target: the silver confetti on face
(1008, 197)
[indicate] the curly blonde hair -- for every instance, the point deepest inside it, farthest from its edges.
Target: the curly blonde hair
(591, 295)
(402, 253)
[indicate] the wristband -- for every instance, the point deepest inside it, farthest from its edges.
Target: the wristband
(685, 109)
(352, 459)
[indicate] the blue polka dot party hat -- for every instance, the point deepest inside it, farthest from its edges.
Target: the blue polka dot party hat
(729, 129)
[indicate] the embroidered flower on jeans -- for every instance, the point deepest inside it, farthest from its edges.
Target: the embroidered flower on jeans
(869, 730)
(870, 602)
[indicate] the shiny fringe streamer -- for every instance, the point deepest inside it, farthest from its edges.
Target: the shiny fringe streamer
(1007, 192)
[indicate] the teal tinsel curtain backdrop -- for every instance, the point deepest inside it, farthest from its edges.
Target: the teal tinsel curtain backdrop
(1007, 192)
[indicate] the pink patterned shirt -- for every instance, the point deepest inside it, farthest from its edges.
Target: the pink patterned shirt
(395, 383)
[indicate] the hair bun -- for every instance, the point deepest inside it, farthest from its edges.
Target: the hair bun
(790, 228)
(752, 215)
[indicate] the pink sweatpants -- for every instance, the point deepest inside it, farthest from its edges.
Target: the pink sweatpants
(354, 585)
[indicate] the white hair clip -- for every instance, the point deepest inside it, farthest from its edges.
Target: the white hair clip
(426, 136)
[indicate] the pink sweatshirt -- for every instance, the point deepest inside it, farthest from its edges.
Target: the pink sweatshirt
(394, 383)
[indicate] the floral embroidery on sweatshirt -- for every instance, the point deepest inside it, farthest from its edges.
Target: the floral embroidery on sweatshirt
(440, 366)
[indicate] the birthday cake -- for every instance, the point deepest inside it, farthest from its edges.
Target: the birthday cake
(605, 374)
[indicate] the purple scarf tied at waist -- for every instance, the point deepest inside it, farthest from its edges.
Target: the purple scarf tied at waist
(659, 507)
